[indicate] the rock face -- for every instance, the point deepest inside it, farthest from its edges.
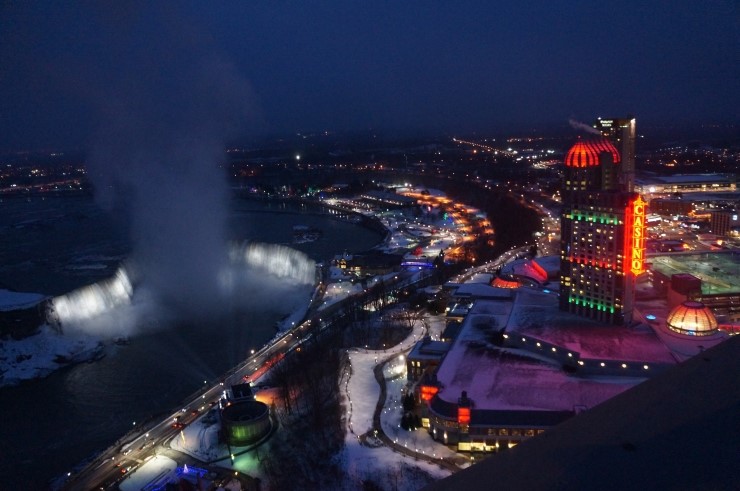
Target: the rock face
(23, 321)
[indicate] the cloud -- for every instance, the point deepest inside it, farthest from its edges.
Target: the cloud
(583, 127)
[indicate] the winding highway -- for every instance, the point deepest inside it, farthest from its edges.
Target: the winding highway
(114, 464)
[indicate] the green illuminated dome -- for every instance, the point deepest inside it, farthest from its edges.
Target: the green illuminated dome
(693, 319)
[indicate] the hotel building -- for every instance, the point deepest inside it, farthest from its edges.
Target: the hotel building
(602, 233)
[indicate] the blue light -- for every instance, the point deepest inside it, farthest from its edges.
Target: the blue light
(546, 290)
(188, 470)
(650, 317)
(420, 264)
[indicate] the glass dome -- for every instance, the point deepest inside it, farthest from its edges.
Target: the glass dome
(693, 319)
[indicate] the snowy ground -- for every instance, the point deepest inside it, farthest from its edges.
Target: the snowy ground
(10, 300)
(338, 291)
(39, 355)
(385, 467)
(200, 440)
(419, 440)
(361, 392)
(157, 468)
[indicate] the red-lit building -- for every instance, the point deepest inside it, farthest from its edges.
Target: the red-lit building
(602, 234)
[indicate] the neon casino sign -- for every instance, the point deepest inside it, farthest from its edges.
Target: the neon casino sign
(636, 236)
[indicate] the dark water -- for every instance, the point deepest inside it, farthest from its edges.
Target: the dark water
(54, 245)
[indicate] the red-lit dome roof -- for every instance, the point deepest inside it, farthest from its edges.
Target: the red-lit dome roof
(692, 318)
(585, 153)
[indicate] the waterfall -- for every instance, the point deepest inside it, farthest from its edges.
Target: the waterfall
(92, 300)
(277, 260)
(255, 266)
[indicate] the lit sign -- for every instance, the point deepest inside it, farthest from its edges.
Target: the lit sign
(463, 415)
(636, 236)
(428, 392)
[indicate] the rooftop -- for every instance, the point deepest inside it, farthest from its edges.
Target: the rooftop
(719, 271)
(537, 315)
(493, 378)
(431, 350)
(634, 438)
(686, 178)
(482, 290)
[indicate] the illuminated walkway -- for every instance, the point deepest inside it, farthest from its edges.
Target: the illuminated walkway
(375, 436)
(452, 464)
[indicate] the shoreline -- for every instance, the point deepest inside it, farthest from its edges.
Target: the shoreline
(59, 351)
(369, 222)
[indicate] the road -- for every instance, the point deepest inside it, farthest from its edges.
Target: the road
(112, 465)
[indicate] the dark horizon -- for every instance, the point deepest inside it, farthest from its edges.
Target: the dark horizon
(412, 69)
(651, 137)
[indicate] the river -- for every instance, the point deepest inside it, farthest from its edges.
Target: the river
(54, 245)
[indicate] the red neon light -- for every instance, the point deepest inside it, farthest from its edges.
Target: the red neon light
(592, 262)
(428, 391)
(635, 236)
(463, 415)
(540, 270)
(585, 153)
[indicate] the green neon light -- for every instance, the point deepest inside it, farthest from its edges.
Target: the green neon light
(590, 304)
(600, 217)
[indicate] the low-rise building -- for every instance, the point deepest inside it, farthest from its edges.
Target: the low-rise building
(520, 366)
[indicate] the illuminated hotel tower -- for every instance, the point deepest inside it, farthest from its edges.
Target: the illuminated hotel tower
(622, 133)
(601, 245)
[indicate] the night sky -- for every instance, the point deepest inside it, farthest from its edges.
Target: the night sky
(68, 68)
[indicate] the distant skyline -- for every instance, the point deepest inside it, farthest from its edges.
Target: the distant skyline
(69, 69)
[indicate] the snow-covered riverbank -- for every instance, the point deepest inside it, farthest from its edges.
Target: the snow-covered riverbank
(39, 355)
(44, 352)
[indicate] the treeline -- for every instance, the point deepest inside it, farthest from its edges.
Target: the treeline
(304, 454)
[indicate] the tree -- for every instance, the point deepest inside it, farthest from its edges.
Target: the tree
(409, 402)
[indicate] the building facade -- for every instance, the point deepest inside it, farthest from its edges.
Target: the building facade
(721, 222)
(602, 233)
(621, 132)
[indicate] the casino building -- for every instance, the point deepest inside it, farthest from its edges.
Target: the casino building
(602, 242)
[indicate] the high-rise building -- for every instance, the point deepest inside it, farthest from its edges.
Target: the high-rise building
(622, 133)
(720, 222)
(602, 240)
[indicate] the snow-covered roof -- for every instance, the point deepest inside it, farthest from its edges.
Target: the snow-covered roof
(159, 470)
(551, 264)
(494, 378)
(482, 291)
(426, 349)
(484, 278)
(537, 314)
(525, 268)
(631, 441)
